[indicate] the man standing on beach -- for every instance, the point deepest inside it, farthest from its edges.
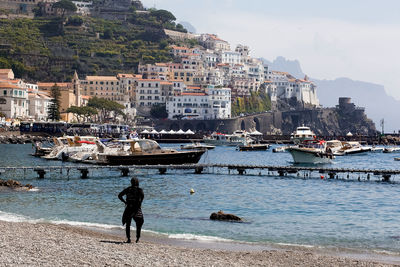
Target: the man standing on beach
(133, 209)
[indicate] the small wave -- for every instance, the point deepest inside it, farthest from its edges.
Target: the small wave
(12, 217)
(35, 189)
(86, 224)
(199, 238)
(296, 245)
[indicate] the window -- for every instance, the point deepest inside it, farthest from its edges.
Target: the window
(5, 92)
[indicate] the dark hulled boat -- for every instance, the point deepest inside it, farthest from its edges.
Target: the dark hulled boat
(147, 152)
(253, 147)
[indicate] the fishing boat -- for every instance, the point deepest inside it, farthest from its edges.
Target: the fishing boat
(311, 152)
(197, 145)
(237, 138)
(145, 152)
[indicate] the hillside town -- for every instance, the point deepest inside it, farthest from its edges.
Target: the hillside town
(201, 83)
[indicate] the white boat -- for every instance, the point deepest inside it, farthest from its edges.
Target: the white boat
(377, 149)
(311, 152)
(391, 149)
(64, 147)
(302, 133)
(235, 139)
(197, 145)
(280, 149)
(341, 148)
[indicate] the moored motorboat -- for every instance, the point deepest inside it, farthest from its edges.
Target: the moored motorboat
(302, 133)
(68, 145)
(145, 152)
(237, 138)
(391, 149)
(311, 152)
(197, 145)
(253, 147)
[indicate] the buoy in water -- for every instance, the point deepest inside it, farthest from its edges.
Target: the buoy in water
(191, 191)
(322, 177)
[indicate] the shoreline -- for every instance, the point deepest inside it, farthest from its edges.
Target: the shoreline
(48, 244)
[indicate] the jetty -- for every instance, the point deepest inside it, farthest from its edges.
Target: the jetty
(238, 169)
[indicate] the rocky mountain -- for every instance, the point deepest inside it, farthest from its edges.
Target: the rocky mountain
(378, 104)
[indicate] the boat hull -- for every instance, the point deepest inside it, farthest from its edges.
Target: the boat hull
(309, 157)
(176, 158)
(256, 147)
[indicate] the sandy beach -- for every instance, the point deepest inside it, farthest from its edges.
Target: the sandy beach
(61, 245)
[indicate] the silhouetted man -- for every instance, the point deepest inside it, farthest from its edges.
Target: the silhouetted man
(133, 209)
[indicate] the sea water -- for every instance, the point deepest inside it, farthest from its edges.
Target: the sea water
(294, 209)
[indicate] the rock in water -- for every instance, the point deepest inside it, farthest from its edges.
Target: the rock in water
(221, 216)
(14, 184)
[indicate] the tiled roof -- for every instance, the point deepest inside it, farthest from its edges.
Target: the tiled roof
(101, 78)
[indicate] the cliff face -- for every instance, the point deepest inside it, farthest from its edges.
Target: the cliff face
(329, 122)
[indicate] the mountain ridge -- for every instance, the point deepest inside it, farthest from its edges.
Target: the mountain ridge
(378, 104)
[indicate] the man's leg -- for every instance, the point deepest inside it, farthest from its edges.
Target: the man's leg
(139, 222)
(128, 230)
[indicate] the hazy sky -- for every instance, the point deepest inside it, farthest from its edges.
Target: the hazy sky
(359, 39)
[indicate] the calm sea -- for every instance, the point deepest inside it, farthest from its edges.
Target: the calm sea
(339, 213)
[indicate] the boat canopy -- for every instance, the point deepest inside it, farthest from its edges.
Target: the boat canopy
(189, 132)
(144, 145)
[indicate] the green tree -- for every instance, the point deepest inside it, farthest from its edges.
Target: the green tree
(54, 107)
(159, 111)
(2, 115)
(163, 15)
(82, 113)
(65, 6)
(105, 107)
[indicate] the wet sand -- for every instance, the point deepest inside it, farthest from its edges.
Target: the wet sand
(60, 245)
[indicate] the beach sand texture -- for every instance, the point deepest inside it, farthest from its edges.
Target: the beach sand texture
(26, 244)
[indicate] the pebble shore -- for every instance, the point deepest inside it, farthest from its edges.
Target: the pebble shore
(26, 244)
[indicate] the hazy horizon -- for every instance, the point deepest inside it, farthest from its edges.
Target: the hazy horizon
(356, 39)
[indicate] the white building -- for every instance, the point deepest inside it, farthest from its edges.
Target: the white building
(13, 99)
(211, 103)
(149, 93)
(230, 57)
(282, 85)
(39, 103)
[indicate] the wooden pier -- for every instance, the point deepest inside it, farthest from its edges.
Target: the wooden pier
(305, 171)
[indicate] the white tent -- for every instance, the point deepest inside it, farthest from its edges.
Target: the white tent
(255, 132)
(189, 132)
(180, 132)
(154, 132)
(349, 134)
(145, 132)
(163, 132)
(171, 132)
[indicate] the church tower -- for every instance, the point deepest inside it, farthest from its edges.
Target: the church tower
(77, 89)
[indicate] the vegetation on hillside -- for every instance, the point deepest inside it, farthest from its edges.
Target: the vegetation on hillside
(256, 102)
(51, 48)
